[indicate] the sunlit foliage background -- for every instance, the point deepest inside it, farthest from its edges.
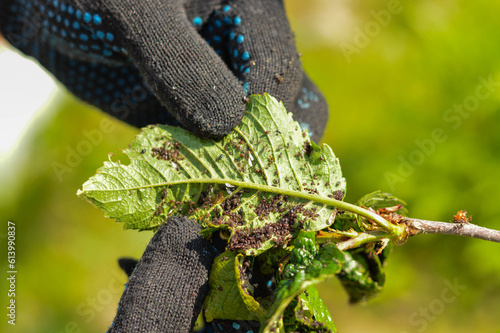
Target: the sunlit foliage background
(384, 92)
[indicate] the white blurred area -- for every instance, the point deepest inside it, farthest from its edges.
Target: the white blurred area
(25, 91)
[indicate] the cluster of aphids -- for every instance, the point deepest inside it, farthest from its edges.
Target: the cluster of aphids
(280, 232)
(170, 151)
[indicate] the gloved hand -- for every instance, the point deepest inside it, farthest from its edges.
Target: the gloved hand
(167, 286)
(190, 62)
(166, 290)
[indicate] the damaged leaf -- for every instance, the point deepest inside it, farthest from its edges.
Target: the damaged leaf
(362, 274)
(228, 296)
(259, 183)
(307, 313)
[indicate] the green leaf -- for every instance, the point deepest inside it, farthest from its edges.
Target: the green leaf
(308, 313)
(363, 275)
(260, 183)
(269, 262)
(229, 297)
(379, 199)
(308, 265)
(375, 200)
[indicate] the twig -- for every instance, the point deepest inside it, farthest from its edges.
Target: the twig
(417, 226)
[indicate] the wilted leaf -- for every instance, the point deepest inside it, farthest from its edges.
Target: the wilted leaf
(228, 296)
(362, 274)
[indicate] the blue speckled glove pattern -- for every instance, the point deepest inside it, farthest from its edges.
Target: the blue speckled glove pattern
(189, 63)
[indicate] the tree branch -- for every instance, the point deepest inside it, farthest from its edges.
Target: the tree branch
(417, 226)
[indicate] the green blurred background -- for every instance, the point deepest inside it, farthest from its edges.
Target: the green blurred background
(390, 72)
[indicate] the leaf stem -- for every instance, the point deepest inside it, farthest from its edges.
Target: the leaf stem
(417, 227)
(363, 238)
(360, 239)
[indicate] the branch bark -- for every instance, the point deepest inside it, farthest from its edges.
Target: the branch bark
(417, 227)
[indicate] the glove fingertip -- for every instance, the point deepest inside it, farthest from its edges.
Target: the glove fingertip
(127, 265)
(226, 114)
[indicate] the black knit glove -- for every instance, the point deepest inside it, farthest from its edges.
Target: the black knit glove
(167, 287)
(166, 290)
(187, 62)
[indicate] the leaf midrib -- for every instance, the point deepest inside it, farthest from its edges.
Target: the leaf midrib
(266, 188)
(259, 187)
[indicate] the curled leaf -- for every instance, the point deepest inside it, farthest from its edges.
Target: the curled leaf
(228, 296)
